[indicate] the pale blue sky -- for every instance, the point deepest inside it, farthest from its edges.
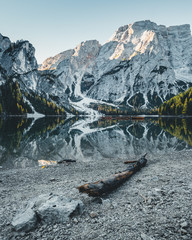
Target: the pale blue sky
(53, 26)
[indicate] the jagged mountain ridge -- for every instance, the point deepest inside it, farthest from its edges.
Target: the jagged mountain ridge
(142, 64)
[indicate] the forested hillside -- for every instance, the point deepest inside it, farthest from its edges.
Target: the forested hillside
(12, 101)
(15, 102)
(178, 105)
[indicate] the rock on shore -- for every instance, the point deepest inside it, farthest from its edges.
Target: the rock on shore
(153, 204)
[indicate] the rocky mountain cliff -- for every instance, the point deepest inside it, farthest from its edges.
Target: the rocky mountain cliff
(142, 64)
(17, 60)
(19, 77)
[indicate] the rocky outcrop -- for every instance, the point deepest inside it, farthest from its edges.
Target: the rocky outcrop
(25, 220)
(47, 208)
(142, 64)
(17, 60)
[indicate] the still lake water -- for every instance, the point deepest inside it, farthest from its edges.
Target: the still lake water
(24, 141)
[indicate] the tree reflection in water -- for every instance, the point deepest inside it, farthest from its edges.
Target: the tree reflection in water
(24, 141)
(181, 128)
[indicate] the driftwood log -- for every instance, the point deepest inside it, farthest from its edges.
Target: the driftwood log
(127, 162)
(104, 186)
(66, 160)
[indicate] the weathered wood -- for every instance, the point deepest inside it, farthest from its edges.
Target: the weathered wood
(134, 161)
(66, 160)
(127, 162)
(106, 185)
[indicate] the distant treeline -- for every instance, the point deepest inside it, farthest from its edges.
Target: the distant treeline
(178, 105)
(120, 110)
(42, 105)
(12, 101)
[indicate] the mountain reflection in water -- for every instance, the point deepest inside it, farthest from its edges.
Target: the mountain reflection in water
(24, 141)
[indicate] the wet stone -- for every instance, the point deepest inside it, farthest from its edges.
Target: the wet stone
(93, 214)
(184, 224)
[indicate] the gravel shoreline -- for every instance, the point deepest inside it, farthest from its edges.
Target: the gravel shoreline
(155, 203)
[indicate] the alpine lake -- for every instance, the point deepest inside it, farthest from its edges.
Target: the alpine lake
(26, 142)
